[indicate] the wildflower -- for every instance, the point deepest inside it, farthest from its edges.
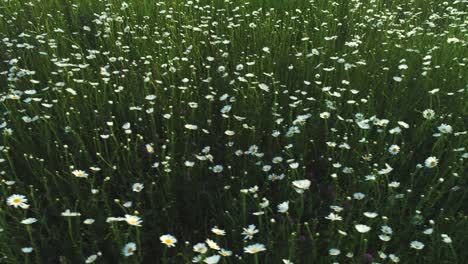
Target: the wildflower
(301, 185)
(212, 260)
(27, 250)
(394, 258)
(359, 196)
(294, 165)
(394, 149)
(29, 221)
(255, 248)
(212, 244)
(218, 231)
(133, 220)
(80, 174)
(334, 252)
(17, 200)
(217, 169)
(91, 259)
(334, 217)
(324, 115)
(249, 232)
(197, 258)
(417, 245)
(445, 129)
(428, 114)
(386, 230)
(88, 221)
(283, 207)
(428, 231)
(69, 213)
(370, 214)
(387, 169)
(168, 240)
(385, 238)
(362, 228)
(129, 249)
(149, 148)
(189, 163)
(191, 127)
(137, 187)
(225, 253)
(446, 239)
(114, 219)
(200, 248)
(431, 162)
(229, 133)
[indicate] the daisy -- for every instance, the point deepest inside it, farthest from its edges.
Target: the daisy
(445, 129)
(249, 232)
(133, 220)
(212, 260)
(428, 114)
(362, 228)
(129, 249)
(191, 127)
(169, 240)
(431, 162)
(394, 149)
(29, 221)
(394, 258)
(370, 214)
(27, 250)
(229, 133)
(212, 244)
(387, 170)
(218, 231)
(334, 217)
(359, 196)
(446, 239)
(149, 148)
(283, 207)
(69, 213)
(386, 230)
(217, 169)
(137, 187)
(301, 185)
(200, 248)
(91, 258)
(225, 253)
(80, 174)
(385, 238)
(255, 248)
(334, 252)
(417, 245)
(17, 200)
(88, 221)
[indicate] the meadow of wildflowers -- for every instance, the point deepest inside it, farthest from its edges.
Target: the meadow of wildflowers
(233, 131)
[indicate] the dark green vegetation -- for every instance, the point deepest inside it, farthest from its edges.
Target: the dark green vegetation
(354, 112)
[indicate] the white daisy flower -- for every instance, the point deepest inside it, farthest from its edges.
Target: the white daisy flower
(168, 240)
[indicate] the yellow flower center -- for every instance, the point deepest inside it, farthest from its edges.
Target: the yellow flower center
(167, 241)
(17, 200)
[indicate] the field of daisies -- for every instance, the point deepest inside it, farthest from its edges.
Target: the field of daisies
(233, 131)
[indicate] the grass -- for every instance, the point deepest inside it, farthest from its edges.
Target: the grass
(220, 109)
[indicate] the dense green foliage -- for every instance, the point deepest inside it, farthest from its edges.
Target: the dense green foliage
(336, 128)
